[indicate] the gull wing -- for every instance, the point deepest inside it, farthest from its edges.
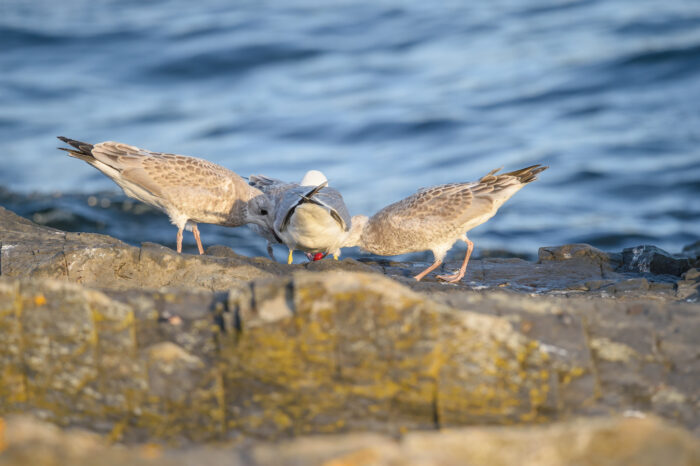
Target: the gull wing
(290, 200)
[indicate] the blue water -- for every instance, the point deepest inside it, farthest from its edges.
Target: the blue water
(383, 96)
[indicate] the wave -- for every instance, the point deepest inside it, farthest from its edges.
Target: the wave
(229, 61)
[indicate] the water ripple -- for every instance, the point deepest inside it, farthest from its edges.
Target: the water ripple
(385, 97)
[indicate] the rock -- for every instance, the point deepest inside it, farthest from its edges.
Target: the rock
(597, 284)
(312, 353)
(632, 284)
(610, 441)
(692, 275)
(332, 352)
(578, 252)
(650, 259)
(142, 344)
(172, 372)
(545, 276)
(688, 288)
(593, 441)
(25, 441)
(692, 250)
(30, 250)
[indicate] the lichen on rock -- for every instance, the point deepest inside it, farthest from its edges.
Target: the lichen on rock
(142, 344)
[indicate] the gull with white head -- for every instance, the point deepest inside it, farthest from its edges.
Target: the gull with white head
(309, 216)
(435, 218)
(188, 189)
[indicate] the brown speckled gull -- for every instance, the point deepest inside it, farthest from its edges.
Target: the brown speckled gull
(435, 218)
(188, 189)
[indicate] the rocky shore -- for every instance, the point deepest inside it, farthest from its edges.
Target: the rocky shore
(163, 354)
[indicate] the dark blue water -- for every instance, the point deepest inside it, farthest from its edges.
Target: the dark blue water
(383, 96)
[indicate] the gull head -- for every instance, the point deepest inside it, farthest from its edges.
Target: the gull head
(354, 236)
(313, 178)
(260, 211)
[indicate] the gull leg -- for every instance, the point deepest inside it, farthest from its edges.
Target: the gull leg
(195, 232)
(457, 276)
(428, 270)
(289, 259)
(270, 252)
(335, 256)
(179, 240)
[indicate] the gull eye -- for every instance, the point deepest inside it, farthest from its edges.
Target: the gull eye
(263, 212)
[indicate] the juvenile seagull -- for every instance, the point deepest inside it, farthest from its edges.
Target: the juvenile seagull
(309, 216)
(435, 218)
(188, 189)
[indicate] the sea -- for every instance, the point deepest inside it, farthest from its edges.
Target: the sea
(384, 97)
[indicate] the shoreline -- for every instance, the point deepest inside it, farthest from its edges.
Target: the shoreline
(143, 345)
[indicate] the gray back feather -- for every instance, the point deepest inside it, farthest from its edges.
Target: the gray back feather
(326, 197)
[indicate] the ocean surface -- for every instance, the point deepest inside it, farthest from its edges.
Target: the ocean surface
(385, 97)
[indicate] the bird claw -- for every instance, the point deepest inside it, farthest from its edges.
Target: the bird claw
(453, 278)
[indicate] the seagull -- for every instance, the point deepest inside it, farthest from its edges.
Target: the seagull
(188, 189)
(310, 216)
(435, 218)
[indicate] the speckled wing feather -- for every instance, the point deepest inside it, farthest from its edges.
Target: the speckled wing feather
(440, 214)
(455, 203)
(414, 223)
(204, 191)
(157, 171)
(437, 207)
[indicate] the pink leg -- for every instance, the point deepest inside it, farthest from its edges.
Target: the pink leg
(179, 240)
(457, 276)
(428, 270)
(195, 232)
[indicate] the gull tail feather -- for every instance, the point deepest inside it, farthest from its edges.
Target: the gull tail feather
(83, 152)
(527, 174)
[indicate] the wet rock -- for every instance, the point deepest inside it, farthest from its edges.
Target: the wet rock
(692, 250)
(597, 284)
(609, 441)
(579, 252)
(650, 259)
(513, 274)
(632, 284)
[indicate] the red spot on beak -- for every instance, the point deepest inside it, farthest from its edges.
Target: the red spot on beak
(318, 256)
